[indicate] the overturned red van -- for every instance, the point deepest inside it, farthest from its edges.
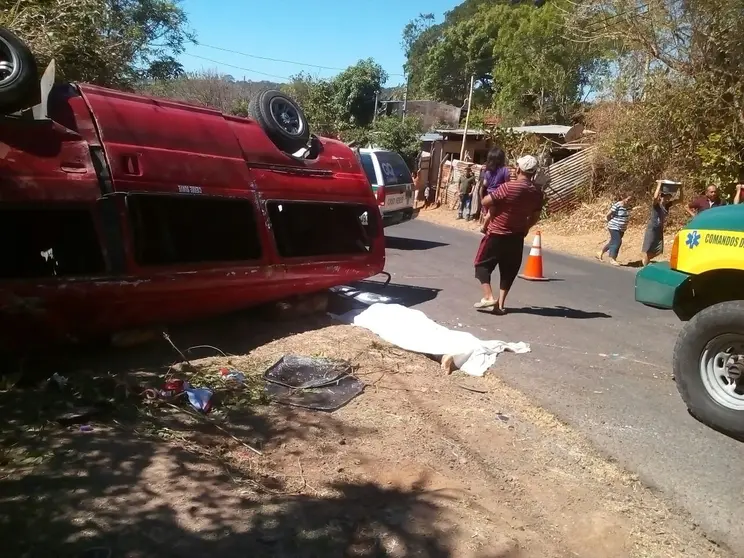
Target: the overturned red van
(119, 211)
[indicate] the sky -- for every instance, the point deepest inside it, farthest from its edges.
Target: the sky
(331, 33)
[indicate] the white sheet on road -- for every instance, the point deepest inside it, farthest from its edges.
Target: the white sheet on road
(413, 331)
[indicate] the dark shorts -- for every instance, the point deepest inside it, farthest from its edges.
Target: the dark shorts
(502, 251)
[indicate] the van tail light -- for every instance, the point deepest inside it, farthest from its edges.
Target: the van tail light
(380, 195)
(675, 253)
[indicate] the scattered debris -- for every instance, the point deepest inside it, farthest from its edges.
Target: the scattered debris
(172, 344)
(315, 383)
(200, 398)
(366, 298)
(232, 375)
(86, 428)
(502, 417)
(58, 381)
(77, 416)
(472, 389)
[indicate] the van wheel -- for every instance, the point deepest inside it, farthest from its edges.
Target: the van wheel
(282, 119)
(18, 74)
(708, 365)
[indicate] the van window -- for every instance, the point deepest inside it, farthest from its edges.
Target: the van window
(369, 168)
(394, 169)
(307, 229)
(171, 230)
(48, 242)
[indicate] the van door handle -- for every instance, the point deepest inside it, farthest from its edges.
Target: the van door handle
(74, 167)
(130, 164)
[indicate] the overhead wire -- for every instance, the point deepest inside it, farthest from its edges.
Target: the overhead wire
(220, 63)
(279, 60)
(594, 27)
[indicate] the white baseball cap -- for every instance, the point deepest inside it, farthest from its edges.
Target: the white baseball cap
(527, 164)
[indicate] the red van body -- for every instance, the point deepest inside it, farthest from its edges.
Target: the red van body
(121, 211)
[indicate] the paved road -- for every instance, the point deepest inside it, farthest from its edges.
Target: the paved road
(600, 361)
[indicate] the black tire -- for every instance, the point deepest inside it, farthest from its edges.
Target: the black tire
(719, 319)
(19, 85)
(289, 135)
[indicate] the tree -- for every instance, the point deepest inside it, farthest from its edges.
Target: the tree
(340, 104)
(540, 76)
(208, 88)
(522, 64)
(401, 135)
(354, 92)
(677, 109)
(316, 97)
(107, 42)
(419, 36)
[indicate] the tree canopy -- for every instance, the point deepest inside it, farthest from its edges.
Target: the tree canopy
(523, 65)
(675, 102)
(107, 42)
(345, 102)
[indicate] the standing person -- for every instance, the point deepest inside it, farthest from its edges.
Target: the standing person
(466, 191)
(496, 174)
(516, 207)
(653, 240)
(418, 179)
(706, 201)
(617, 222)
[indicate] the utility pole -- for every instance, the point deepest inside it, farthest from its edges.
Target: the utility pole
(405, 97)
(374, 114)
(467, 118)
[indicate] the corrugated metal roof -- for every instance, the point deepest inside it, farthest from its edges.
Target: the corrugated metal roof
(461, 131)
(431, 136)
(567, 177)
(546, 129)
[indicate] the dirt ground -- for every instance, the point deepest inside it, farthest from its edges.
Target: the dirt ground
(582, 233)
(420, 464)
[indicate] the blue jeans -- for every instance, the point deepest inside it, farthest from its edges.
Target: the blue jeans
(464, 205)
(613, 246)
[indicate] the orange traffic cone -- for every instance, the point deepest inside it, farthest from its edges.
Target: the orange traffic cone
(533, 269)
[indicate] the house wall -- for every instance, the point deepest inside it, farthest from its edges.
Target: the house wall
(432, 113)
(441, 149)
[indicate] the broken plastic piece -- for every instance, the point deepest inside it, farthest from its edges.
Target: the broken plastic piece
(322, 384)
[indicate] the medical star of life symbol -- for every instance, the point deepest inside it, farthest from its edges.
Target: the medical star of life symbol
(693, 239)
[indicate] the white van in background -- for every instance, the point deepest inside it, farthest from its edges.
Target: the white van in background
(392, 184)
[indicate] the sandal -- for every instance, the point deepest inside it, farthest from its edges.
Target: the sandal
(485, 303)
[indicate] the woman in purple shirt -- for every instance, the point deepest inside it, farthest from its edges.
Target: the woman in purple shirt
(496, 174)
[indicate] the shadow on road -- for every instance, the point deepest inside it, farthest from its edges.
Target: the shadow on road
(634, 263)
(411, 244)
(558, 312)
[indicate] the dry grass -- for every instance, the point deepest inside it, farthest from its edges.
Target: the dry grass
(528, 484)
(580, 233)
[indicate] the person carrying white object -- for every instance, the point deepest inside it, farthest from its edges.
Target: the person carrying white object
(413, 331)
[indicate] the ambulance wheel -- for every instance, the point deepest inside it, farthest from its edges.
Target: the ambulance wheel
(708, 365)
(282, 119)
(18, 74)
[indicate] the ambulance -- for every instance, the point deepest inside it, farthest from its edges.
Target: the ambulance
(703, 283)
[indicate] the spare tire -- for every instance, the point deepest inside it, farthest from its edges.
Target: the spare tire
(18, 74)
(282, 119)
